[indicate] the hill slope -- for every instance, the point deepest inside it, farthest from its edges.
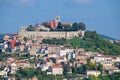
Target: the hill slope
(106, 37)
(1, 36)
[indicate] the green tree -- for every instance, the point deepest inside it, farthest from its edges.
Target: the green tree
(99, 67)
(30, 28)
(92, 77)
(66, 68)
(1, 78)
(0, 50)
(46, 24)
(91, 34)
(75, 27)
(82, 26)
(74, 70)
(59, 27)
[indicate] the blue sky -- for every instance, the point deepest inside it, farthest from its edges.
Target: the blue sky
(100, 15)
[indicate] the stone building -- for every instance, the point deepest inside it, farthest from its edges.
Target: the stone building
(54, 34)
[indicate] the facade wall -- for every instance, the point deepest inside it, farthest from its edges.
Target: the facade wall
(57, 71)
(35, 35)
(95, 73)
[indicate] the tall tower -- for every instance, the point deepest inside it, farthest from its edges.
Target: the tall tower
(57, 19)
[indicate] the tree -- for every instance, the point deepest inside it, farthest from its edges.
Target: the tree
(66, 68)
(59, 27)
(74, 70)
(30, 28)
(25, 39)
(1, 78)
(117, 64)
(46, 24)
(0, 50)
(91, 77)
(82, 69)
(99, 67)
(82, 26)
(91, 34)
(75, 27)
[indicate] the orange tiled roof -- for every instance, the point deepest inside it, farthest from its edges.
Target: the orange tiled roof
(57, 66)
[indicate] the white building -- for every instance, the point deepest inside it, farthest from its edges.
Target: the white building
(13, 68)
(41, 28)
(93, 72)
(44, 67)
(57, 69)
(65, 51)
(34, 49)
(3, 73)
(99, 58)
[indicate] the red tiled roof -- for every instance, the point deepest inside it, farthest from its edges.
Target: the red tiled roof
(13, 43)
(57, 66)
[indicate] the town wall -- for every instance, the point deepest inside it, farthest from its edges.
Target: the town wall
(42, 34)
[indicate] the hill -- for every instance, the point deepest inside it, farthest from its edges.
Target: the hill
(1, 36)
(106, 37)
(90, 42)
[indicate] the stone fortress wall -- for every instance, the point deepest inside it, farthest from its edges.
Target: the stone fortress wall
(49, 34)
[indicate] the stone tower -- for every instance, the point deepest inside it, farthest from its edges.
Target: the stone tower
(57, 19)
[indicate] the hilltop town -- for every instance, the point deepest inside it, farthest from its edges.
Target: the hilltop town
(57, 50)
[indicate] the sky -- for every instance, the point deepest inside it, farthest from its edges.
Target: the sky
(102, 16)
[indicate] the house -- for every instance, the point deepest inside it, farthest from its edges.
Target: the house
(66, 51)
(41, 28)
(49, 62)
(98, 58)
(57, 69)
(3, 73)
(13, 42)
(53, 24)
(53, 49)
(107, 62)
(116, 70)
(81, 56)
(111, 71)
(10, 60)
(93, 72)
(79, 62)
(71, 56)
(34, 49)
(69, 24)
(44, 67)
(61, 59)
(22, 47)
(6, 37)
(116, 59)
(13, 68)
(35, 78)
(51, 55)
(22, 63)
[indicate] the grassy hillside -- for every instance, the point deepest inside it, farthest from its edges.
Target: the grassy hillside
(99, 45)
